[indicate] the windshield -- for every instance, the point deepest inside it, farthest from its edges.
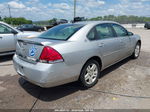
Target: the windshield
(61, 32)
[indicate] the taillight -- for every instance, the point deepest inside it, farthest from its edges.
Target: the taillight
(50, 55)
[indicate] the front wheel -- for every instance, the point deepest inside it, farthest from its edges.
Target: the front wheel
(90, 74)
(136, 52)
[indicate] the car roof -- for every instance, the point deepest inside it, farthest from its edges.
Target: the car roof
(6, 24)
(3, 22)
(9, 26)
(94, 22)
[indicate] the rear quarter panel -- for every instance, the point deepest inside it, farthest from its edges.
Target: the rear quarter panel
(76, 54)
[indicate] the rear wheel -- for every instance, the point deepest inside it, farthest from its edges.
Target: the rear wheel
(90, 74)
(136, 52)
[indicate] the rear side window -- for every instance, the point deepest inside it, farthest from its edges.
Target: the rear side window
(104, 31)
(120, 31)
(101, 31)
(27, 26)
(61, 32)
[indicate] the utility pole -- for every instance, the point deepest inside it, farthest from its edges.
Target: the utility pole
(75, 8)
(0, 15)
(9, 11)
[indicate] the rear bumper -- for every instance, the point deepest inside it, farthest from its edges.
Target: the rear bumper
(45, 75)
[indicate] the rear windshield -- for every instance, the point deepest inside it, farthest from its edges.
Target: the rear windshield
(61, 32)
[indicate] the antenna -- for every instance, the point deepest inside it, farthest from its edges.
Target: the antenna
(0, 15)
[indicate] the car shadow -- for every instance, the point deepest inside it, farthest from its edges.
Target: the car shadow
(49, 94)
(5, 58)
(54, 93)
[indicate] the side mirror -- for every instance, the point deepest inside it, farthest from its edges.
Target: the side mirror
(14, 32)
(130, 33)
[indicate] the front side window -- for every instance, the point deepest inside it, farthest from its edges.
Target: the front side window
(104, 31)
(61, 32)
(120, 31)
(4, 29)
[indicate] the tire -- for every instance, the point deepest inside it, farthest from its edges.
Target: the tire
(91, 74)
(136, 52)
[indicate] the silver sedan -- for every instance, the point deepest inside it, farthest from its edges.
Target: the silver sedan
(71, 52)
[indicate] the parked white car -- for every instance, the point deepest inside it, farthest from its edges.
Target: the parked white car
(8, 37)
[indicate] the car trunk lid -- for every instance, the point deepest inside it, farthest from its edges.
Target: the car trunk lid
(30, 49)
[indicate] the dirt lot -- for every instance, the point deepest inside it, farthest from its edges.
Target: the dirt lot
(126, 85)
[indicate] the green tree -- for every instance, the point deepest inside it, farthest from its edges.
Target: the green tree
(122, 19)
(52, 21)
(17, 21)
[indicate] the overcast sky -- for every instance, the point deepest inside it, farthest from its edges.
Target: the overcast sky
(48, 9)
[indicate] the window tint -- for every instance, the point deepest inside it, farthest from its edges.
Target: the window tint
(61, 32)
(4, 29)
(120, 31)
(104, 31)
(27, 26)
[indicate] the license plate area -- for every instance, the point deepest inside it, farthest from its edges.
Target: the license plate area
(29, 51)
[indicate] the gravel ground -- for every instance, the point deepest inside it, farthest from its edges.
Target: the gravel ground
(124, 85)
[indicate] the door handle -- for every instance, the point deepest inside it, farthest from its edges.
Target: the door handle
(100, 44)
(1, 37)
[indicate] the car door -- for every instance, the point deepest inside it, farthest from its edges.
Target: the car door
(125, 40)
(7, 39)
(108, 44)
(27, 27)
(35, 28)
(31, 28)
